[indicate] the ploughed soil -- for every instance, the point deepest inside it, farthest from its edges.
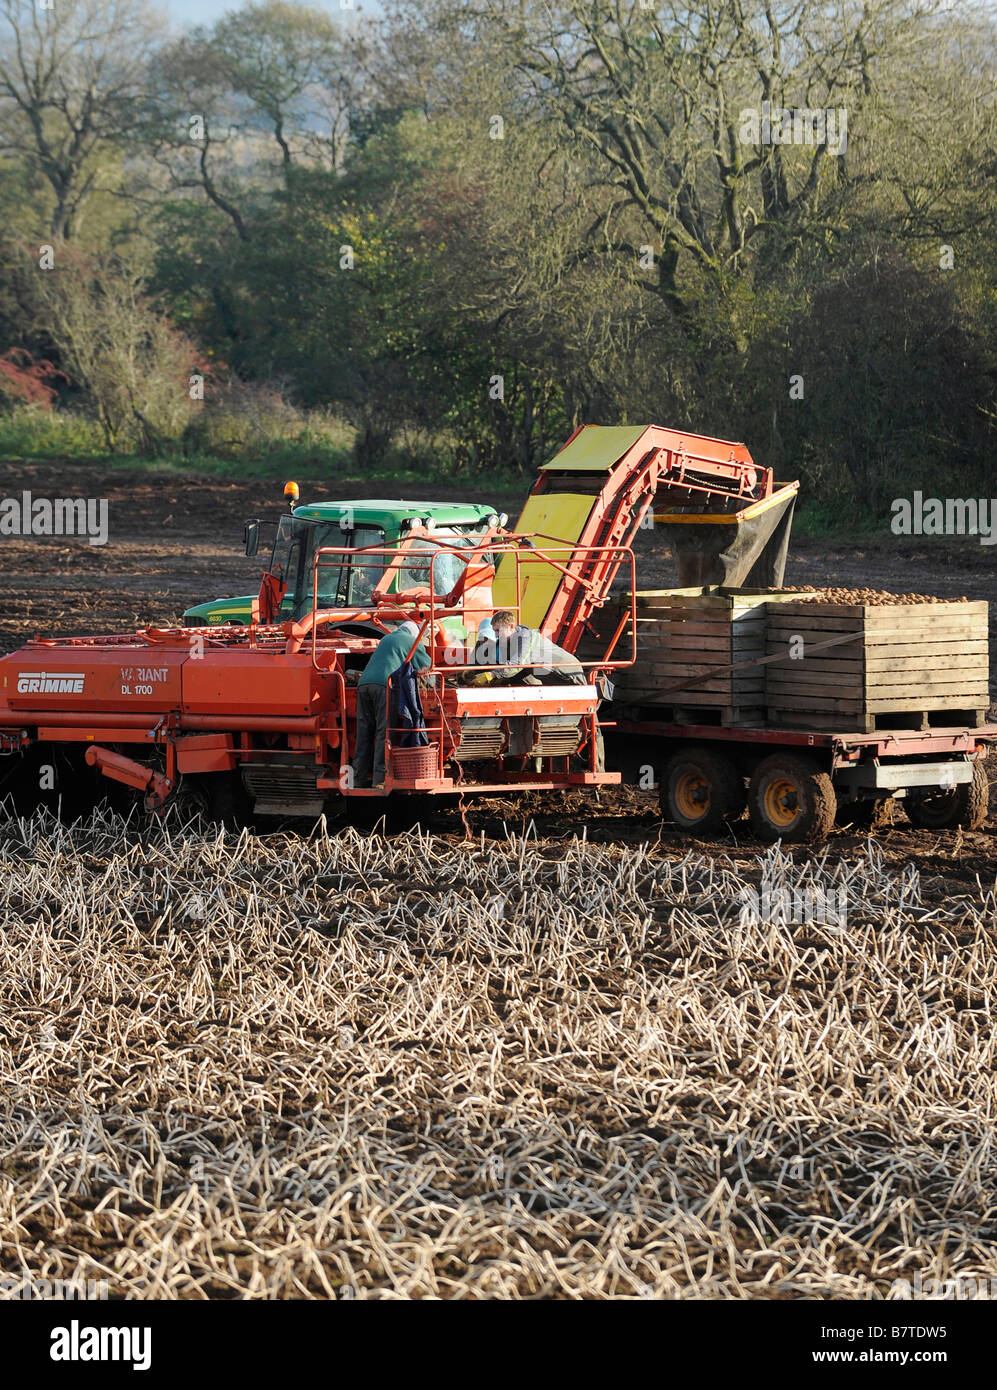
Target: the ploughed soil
(173, 542)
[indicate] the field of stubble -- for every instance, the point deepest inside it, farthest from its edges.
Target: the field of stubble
(446, 1066)
(442, 1067)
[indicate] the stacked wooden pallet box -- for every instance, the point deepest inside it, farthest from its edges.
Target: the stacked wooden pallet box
(696, 653)
(869, 666)
(750, 657)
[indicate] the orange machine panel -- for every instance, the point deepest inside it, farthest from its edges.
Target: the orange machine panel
(241, 681)
(121, 678)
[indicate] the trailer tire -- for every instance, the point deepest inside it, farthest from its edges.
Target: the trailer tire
(963, 807)
(701, 791)
(790, 798)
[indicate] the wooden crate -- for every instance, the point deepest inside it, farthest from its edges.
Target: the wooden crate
(687, 642)
(866, 666)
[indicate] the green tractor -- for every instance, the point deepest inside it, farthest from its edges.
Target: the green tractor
(360, 525)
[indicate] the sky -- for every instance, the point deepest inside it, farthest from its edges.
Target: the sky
(187, 13)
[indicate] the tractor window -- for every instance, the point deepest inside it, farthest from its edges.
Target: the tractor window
(285, 560)
(340, 584)
(281, 556)
(447, 569)
(364, 577)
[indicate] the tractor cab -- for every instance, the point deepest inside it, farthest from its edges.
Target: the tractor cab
(430, 531)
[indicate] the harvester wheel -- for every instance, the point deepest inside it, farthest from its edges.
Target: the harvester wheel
(701, 790)
(963, 807)
(791, 799)
(228, 802)
(191, 799)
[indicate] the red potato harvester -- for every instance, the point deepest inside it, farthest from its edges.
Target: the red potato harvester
(262, 718)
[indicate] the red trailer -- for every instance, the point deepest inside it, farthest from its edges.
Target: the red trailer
(795, 783)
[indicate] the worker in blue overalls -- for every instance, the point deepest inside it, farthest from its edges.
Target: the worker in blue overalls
(372, 700)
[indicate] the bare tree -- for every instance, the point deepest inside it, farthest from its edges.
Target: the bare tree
(196, 128)
(294, 65)
(118, 345)
(654, 104)
(661, 98)
(71, 82)
(271, 71)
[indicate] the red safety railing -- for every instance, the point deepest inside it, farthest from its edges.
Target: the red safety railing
(425, 606)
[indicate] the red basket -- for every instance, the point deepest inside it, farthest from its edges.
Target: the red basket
(410, 764)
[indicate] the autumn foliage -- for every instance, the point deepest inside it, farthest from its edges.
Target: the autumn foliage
(28, 381)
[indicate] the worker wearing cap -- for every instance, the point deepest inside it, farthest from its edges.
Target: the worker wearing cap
(539, 661)
(536, 658)
(387, 660)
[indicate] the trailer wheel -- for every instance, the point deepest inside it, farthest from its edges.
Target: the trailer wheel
(962, 807)
(701, 790)
(790, 798)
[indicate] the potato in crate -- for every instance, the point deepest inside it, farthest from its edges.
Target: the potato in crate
(880, 661)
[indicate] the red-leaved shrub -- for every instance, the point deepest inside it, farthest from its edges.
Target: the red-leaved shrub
(22, 379)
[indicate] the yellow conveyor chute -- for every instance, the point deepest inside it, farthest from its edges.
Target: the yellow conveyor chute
(562, 515)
